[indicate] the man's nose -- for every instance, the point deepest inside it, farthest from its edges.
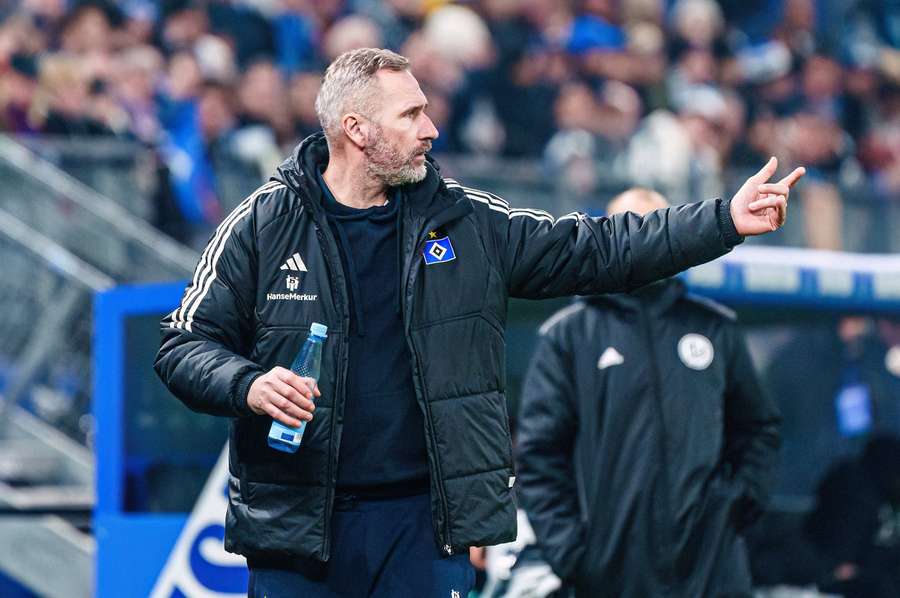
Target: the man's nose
(428, 131)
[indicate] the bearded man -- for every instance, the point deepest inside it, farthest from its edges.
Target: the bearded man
(406, 461)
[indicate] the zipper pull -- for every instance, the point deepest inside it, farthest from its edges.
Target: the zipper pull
(448, 550)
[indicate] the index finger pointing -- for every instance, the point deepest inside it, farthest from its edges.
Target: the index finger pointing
(767, 171)
(794, 176)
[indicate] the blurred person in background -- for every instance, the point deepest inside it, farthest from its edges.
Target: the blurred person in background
(296, 36)
(831, 410)
(599, 45)
(697, 47)
(263, 114)
(185, 152)
(249, 32)
(646, 442)
(500, 67)
(182, 25)
(397, 19)
(572, 152)
(855, 524)
(815, 136)
(682, 153)
(262, 96)
(87, 30)
(352, 31)
(879, 156)
(302, 91)
(135, 87)
(594, 130)
(217, 115)
(63, 103)
(409, 447)
(17, 88)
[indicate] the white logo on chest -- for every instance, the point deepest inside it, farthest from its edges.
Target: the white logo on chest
(294, 266)
(609, 358)
(695, 351)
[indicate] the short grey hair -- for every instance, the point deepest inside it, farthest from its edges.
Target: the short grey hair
(347, 85)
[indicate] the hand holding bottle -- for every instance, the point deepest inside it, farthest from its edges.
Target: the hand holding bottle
(290, 393)
(284, 396)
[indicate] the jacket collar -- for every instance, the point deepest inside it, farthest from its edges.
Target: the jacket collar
(657, 297)
(298, 172)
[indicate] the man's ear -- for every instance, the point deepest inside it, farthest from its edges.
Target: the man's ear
(356, 128)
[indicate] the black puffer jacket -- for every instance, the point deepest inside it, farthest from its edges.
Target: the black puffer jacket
(241, 315)
(645, 444)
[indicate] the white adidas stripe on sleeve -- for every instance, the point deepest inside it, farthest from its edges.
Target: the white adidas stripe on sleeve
(498, 204)
(205, 272)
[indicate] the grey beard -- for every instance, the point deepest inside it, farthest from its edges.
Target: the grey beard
(387, 165)
(405, 175)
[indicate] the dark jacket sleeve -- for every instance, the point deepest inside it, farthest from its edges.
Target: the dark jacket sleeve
(545, 459)
(752, 423)
(202, 356)
(575, 254)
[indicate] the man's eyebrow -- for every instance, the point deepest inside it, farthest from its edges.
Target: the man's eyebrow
(415, 107)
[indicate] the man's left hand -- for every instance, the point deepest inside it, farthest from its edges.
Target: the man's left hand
(759, 206)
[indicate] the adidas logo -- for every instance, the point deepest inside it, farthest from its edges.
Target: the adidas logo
(295, 262)
(609, 358)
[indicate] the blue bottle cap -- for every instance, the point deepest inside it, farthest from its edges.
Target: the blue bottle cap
(319, 329)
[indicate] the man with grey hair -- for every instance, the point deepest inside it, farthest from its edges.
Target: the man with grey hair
(406, 461)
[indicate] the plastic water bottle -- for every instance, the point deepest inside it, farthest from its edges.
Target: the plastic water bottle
(308, 363)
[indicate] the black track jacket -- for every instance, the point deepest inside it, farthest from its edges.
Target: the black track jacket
(272, 267)
(645, 443)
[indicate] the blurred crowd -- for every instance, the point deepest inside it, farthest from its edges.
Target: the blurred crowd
(669, 92)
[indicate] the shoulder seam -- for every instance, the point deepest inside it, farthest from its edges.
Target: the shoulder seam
(498, 204)
(560, 316)
(711, 305)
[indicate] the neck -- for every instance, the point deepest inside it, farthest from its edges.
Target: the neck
(352, 185)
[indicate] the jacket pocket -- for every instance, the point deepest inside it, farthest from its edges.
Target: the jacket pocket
(265, 518)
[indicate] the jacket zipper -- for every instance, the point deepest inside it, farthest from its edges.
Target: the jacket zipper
(326, 241)
(447, 540)
(657, 395)
(447, 544)
(438, 220)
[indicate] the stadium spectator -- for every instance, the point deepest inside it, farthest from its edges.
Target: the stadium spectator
(499, 66)
(350, 32)
(831, 411)
(681, 153)
(407, 462)
(17, 88)
(262, 97)
(646, 443)
(855, 524)
(66, 100)
(830, 90)
(302, 91)
(135, 87)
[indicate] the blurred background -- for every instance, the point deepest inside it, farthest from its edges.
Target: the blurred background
(129, 129)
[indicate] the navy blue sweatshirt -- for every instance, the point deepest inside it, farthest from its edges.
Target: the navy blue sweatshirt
(383, 443)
